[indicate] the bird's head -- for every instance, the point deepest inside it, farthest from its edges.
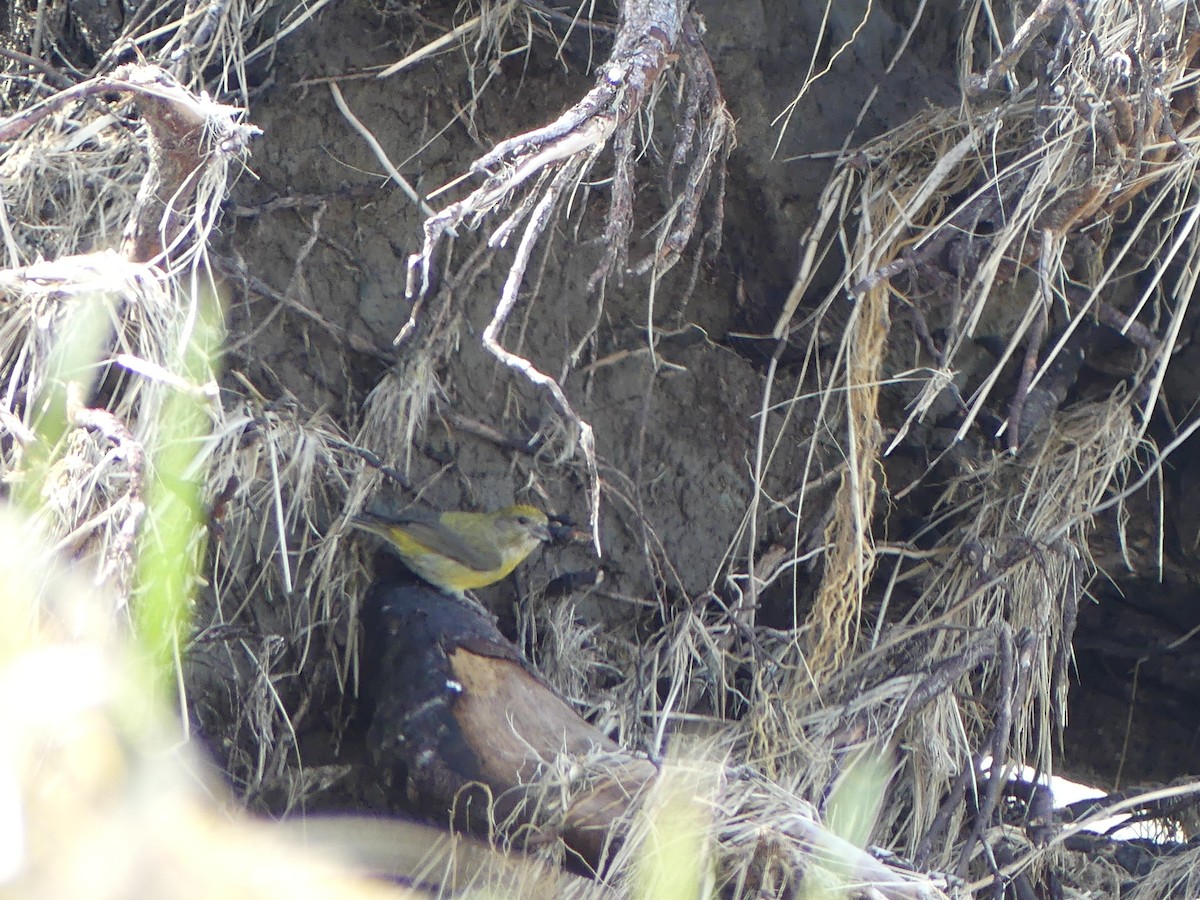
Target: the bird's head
(521, 526)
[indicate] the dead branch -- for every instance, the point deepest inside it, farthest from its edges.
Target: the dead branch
(479, 738)
(1033, 343)
(1030, 29)
(649, 35)
(533, 173)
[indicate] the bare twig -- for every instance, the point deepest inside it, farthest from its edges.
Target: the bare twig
(53, 76)
(1033, 342)
(1030, 29)
(377, 149)
(371, 459)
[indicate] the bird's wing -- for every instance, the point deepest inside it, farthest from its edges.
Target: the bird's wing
(426, 529)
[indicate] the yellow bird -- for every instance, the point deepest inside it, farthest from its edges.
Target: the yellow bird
(461, 551)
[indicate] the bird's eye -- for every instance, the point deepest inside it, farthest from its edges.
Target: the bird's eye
(522, 520)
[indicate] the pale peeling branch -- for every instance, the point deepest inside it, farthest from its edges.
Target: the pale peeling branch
(530, 174)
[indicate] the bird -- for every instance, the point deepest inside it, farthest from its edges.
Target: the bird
(461, 551)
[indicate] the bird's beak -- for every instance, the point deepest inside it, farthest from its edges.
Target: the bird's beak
(544, 533)
(564, 533)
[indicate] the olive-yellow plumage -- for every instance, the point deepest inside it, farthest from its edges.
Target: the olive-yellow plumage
(461, 551)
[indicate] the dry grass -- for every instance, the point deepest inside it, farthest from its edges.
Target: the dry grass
(1011, 548)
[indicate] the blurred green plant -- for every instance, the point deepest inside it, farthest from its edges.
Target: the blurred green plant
(172, 544)
(171, 539)
(71, 367)
(851, 814)
(857, 797)
(675, 860)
